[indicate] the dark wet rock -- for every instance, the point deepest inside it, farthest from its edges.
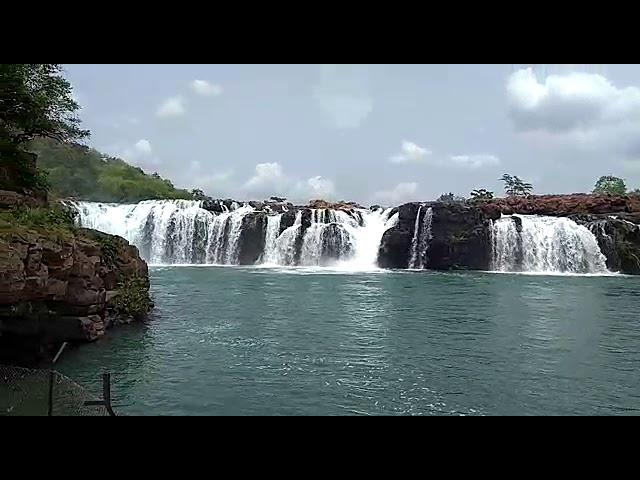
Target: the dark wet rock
(252, 239)
(460, 240)
(618, 239)
(287, 220)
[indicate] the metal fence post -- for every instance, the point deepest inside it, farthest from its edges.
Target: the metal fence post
(51, 379)
(106, 393)
(50, 399)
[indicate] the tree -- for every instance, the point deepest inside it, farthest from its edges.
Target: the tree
(36, 101)
(450, 198)
(481, 194)
(514, 186)
(198, 194)
(278, 199)
(610, 185)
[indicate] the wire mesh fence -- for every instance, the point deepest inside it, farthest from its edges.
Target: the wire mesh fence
(35, 392)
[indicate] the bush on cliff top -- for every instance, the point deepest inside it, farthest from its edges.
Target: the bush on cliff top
(610, 185)
(56, 220)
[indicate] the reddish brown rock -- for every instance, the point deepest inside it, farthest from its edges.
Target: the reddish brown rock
(564, 205)
(56, 289)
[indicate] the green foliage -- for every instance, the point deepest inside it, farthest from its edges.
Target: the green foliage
(198, 194)
(133, 297)
(36, 101)
(80, 172)
(481, 194)
(278, 199)
(610, 185)
(57, 220)
(109, 248)
(450, 198)
(514, 186)
(18, 172)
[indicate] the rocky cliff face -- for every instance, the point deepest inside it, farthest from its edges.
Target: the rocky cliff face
(627, 207)
(461, 232)
(252, 240)
(619, 241)
(460, 238)
(55, 289)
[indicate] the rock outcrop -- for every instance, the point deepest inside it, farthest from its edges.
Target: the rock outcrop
(461, 231)
(618, 239)
(252, 239)
(55, 289)
(460, 238)
(342, 205)
(625, 206)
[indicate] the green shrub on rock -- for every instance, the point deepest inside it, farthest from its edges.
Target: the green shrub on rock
(133, 298)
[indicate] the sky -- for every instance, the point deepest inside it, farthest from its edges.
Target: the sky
(375, 134)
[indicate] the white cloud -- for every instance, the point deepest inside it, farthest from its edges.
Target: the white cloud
(401, 193)
(474, 161)
(315, 188)
(342, 95)
(206, 89)
(577, 109)
(413, 153)
(268, 179)
(140, 154)
(171, 107)
(143, 147)
(410, 153)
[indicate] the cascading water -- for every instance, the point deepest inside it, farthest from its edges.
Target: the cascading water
(233, 237)
(270, 254)
(169, 231)
(421, 238)
(538, 244)
(285, 244)
(366, 239)
(326, 240)
(182, 232)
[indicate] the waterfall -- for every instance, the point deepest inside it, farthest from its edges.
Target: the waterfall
(215, 249)
(169, 231)
(326, 240)
(182, 232)
(529, 243)
(270, 255)
(285, 250)
(421, 238)
(366, 238)
(233, 238)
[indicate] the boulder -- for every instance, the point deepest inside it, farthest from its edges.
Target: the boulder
(251, 243)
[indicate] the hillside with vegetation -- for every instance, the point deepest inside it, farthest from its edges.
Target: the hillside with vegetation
(76, 171)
